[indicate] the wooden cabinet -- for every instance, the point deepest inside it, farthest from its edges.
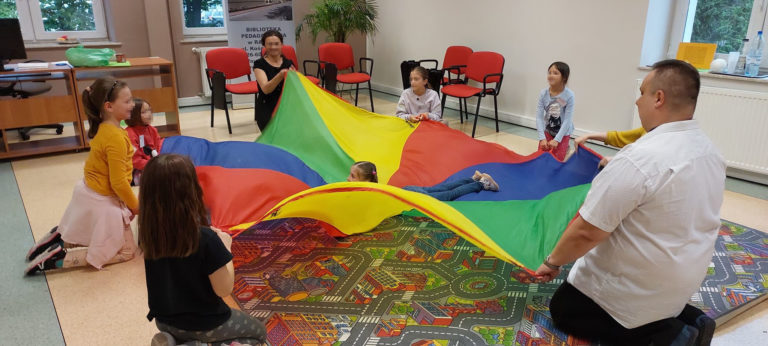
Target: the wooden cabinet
(64, 104)
(57, 106)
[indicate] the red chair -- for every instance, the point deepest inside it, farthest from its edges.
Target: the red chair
(224, 64)
(454, 62)
(482, 67)
(340, 54)
(455, 65)
(290, 54)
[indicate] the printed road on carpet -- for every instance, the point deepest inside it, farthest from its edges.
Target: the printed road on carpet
(411, 281)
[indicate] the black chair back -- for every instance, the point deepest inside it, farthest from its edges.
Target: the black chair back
(219, 94)
(329, 77)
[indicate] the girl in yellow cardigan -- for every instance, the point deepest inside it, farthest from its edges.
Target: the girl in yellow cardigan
(95, 227)
(613, 138)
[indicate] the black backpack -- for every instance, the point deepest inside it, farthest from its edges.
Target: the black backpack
(405, 69)
(434, 78)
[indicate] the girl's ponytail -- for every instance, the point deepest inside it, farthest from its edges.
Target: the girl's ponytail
(101, 91)
(367, 171)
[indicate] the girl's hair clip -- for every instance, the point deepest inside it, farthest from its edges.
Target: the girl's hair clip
(374, 172)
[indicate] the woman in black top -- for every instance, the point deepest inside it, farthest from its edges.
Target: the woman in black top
(188, 265)
(270, 72)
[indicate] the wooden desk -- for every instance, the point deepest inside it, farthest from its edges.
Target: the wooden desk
(163, 98)
(48, 108)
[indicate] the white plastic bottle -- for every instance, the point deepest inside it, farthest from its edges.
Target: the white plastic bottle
(755, 56)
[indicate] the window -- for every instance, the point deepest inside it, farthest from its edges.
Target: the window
(204, 17)
(724, 22)
(8, 9)
(49, 19)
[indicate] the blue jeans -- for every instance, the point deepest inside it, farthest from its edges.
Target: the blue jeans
(450, 190)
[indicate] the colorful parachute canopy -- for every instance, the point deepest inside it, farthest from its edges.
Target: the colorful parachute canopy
(298, 168)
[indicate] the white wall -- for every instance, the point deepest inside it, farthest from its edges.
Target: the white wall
(601, 40)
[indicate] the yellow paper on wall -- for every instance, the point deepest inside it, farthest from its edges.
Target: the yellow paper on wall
(699, 55)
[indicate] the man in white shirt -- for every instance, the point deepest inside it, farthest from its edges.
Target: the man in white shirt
(645, 234)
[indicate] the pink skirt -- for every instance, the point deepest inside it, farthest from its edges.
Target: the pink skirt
(95, 221)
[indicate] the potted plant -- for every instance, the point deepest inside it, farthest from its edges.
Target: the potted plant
(339, 18)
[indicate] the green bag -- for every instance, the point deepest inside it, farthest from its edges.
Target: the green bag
(79, 56)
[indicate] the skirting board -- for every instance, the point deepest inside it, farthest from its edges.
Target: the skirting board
(530, 122)
(485, 111)
(747, 175)
(206, 101)
(194, 101)
(453, 104)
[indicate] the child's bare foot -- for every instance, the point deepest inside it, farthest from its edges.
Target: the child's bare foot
(477, 176)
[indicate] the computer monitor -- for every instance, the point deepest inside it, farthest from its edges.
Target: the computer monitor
(11, 41)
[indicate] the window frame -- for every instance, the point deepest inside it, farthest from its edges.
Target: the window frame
(22, 11)
(682, 25)
(33, 29)
(205, 31)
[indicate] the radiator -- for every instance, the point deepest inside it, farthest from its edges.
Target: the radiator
(200, 51)
(737, 122)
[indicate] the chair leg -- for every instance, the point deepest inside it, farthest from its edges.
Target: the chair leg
(212, 98)
(466, 110)
(370, 94)
(357, 91)
(461, 113)
(255, 97)
(24, 133)
(496, 112)
(442, 105)
(226, 111)
(477, 114)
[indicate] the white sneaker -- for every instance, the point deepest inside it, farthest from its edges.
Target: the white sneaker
(489, 183)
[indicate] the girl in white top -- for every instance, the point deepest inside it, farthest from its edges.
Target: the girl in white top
(554, 114)
(419, 102)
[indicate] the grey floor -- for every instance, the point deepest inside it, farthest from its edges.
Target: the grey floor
(26, 309)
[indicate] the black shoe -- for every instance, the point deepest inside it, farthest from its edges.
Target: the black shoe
(706, 327)
(46, 260)
(699, 320)
(52, 237)
(687, 337)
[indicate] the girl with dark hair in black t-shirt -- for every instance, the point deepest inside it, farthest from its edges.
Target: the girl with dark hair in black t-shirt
(270, 73)
(188, 265)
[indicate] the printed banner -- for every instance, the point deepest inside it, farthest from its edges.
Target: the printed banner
(248, 20)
